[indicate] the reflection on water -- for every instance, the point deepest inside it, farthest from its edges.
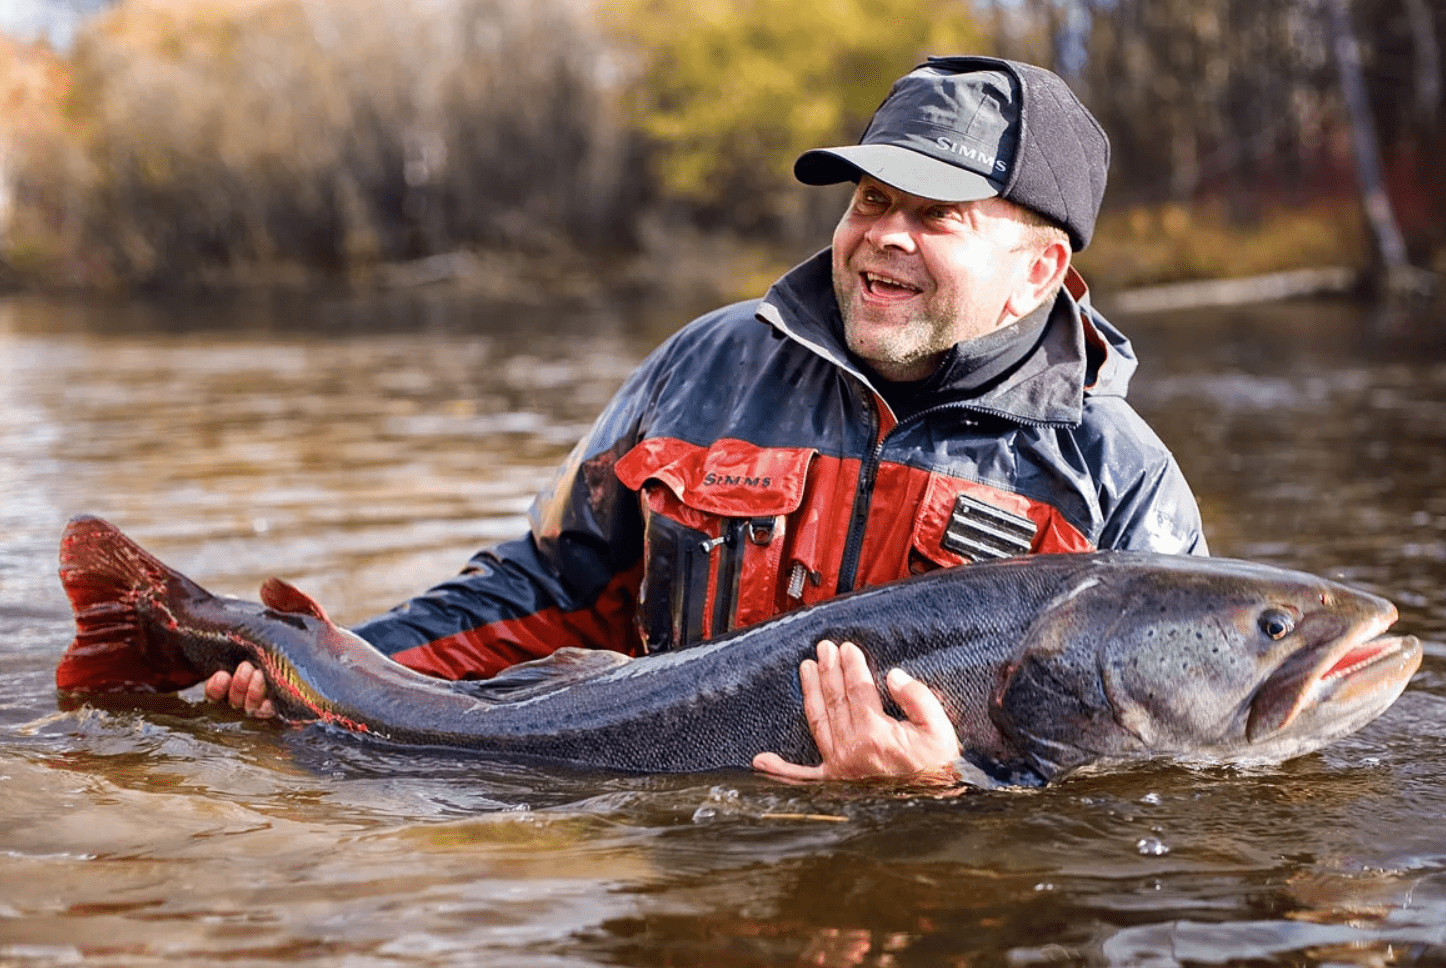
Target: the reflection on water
(365, 449)
(371, 459)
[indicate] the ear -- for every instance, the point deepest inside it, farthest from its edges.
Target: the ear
(1044, 275)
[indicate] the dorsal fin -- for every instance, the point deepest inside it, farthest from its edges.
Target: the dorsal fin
(282, 596)
(566, 667)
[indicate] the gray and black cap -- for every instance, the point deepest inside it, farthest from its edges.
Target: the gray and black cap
(958, 129)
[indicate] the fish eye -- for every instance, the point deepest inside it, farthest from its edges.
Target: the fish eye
(1277, 623)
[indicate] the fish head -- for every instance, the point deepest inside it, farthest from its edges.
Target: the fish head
(1203, 661)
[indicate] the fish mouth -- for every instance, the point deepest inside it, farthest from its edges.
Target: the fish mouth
(1357, 675)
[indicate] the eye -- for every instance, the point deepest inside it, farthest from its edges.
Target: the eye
(944, 213)
(871, 198)
(1277, 623)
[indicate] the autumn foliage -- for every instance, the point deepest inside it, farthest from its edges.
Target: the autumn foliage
(185, 142)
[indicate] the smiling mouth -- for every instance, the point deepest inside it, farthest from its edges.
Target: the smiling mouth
(888, 287)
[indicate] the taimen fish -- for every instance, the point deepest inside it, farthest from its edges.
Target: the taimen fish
(1045, 664)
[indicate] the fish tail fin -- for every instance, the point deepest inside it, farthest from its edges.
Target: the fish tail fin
(115, 648)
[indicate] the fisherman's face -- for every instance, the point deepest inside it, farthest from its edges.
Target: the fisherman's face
(914, 276)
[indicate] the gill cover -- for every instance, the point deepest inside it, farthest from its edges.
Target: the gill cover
(1049, 699)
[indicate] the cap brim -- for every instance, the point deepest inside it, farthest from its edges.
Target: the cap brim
(902, 168)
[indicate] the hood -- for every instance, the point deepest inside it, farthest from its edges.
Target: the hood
(1080, 354)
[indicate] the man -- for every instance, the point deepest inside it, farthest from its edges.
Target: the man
(930, 391)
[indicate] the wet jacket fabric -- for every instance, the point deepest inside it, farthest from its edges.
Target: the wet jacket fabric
(749, 467)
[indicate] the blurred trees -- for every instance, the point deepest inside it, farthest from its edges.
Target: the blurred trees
(731, 92)
(1240, 103)
(194, 139)
(32, 147)
(336, 135)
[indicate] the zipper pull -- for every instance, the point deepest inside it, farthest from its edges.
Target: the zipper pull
(712, 543)
(798, 576)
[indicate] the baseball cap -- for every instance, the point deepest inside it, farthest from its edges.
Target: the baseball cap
(958, 129)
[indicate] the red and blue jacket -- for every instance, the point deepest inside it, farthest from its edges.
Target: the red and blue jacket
(749, 467)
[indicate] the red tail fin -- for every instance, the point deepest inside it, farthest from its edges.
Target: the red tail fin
(106, 574)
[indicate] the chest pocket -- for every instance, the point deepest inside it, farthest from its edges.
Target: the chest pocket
(962, 521)
(714, 523)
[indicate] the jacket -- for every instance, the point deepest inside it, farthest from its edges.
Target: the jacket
(749, 467)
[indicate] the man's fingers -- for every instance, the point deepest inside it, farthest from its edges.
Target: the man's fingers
(776, 766)
(934, 743)
(218, 686)
(244, 690)
(862, 695)
(240, 684)
(834, 690)
(256, 702)
(815, 707)
(854, 736)
(918, 702)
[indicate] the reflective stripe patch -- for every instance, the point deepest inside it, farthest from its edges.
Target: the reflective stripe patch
(980, 531)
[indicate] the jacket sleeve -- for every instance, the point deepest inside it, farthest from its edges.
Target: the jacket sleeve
(1158, 514)
(571, 581)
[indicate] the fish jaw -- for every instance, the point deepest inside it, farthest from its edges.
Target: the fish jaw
(1177, 661)
(1333, 688)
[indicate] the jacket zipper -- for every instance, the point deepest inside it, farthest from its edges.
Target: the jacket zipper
(736, 534)
(868, 477)
(729, 567)
(863, 501)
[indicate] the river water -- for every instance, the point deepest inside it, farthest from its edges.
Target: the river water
(364, 449)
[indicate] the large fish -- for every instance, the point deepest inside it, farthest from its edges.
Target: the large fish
(1046, 665)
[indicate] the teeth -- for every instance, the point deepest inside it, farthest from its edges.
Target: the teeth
(874, 279)
(1358, 658)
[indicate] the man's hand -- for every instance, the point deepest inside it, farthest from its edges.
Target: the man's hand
(243, 690)
(854, 735)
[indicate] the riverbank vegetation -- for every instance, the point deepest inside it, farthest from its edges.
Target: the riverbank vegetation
(648, 143)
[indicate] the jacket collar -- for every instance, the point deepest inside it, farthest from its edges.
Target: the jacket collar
(1079, 353)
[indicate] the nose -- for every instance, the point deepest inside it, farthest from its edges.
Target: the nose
(893, 230)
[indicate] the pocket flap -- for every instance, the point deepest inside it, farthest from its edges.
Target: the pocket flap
(1006, 526)
(732, 478)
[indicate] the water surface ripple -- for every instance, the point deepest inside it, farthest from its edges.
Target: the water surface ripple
(365, 448)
